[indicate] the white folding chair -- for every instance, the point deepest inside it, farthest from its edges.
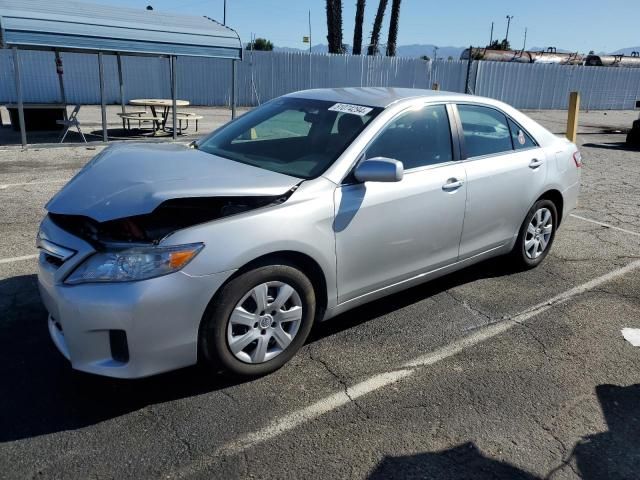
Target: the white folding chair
(70, 122)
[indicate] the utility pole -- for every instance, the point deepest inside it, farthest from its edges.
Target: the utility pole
(435, 53)
(310, 32)
(491, 38)
(509, 18)
(224, 13)
(524, 44)
(310, 69)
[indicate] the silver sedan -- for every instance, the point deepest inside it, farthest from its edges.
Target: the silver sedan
(155, 257)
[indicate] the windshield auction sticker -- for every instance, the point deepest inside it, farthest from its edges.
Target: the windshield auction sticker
(352, 109)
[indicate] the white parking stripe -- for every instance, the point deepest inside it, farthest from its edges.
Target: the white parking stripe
(18, 259)
(7, 185)
(315, 410)
(381, 380)
(605, 225)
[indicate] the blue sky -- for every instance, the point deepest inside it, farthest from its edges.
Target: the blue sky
(568, 24)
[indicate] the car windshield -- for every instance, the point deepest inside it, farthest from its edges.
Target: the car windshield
(295, 136)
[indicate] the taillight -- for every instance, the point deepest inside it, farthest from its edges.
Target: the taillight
(577, 158)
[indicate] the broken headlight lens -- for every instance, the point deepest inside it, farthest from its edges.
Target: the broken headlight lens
(139, 263)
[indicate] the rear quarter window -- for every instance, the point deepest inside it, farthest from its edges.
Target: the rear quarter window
(521, 139)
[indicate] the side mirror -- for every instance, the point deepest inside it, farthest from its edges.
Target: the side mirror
(379, 169)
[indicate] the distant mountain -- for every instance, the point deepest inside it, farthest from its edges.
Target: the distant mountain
(626, 51)
(411, 51)
(320, 48)
(419, 50)
(544, 49)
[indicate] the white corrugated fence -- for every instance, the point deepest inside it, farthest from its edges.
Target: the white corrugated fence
(266, 75)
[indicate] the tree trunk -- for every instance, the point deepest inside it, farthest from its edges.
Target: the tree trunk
(377, 26)
(334, 26)
(357, 31)
(330, 23)
(393, 28)
(337, 29)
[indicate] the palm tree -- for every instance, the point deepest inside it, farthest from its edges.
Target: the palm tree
(334, 26)
(377, 26)
(330, 22)
(393, 28)
(338, 26)
(357, 31)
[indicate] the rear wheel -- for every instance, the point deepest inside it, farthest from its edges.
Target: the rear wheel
(536, 235)
(259, 320)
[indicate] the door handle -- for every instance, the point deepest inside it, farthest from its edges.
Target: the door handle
(535, 163)
(452, 184)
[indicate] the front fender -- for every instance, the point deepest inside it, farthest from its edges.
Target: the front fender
(303, 224)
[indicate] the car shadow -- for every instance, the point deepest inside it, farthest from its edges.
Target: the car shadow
(613, 454)
(41, 394)
(134, 133)
(492, 268)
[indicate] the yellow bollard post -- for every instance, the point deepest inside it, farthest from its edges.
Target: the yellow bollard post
(572, 120)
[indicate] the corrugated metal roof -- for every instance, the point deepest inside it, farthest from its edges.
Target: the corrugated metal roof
(88, 27)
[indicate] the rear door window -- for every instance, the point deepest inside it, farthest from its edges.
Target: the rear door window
(486, 131)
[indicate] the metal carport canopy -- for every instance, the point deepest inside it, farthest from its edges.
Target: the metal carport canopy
(86, 27)
(61, 25)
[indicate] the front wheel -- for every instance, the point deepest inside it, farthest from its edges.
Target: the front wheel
(536, 235)
(259, 320)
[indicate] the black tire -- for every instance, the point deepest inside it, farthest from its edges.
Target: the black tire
(214, 348)
(519, 258)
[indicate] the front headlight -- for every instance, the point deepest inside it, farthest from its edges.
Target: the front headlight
(139, 263)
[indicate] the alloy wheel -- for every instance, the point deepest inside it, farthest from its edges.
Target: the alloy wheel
(264, 322)
(539, 233)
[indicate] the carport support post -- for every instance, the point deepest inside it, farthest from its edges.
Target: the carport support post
(103, 101)
(119, 59)
(174, 88)
(63, 96)
(233, 89)
(572, 120)
(16, 67)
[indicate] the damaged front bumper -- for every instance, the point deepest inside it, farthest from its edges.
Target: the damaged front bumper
(124, 330)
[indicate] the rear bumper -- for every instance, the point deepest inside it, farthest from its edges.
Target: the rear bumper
(570, 199)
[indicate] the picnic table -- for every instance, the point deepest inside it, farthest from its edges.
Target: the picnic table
(159, 119)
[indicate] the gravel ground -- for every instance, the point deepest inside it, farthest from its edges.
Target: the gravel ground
(511, 380)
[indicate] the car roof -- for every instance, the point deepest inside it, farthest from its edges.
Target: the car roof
(383, 97)
(377, 96)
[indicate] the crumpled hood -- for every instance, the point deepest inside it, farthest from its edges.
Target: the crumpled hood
(127, 180)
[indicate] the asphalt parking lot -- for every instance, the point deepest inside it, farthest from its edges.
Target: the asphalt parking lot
(483, 374)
